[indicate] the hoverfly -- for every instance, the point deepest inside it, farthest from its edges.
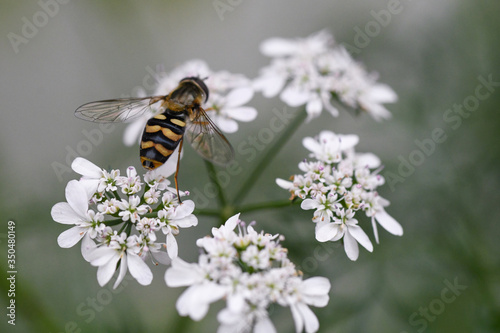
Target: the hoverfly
(183, 117)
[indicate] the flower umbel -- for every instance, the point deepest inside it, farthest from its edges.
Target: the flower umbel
(148, 222)
(312, 71)
(337, 184)
(251, 271)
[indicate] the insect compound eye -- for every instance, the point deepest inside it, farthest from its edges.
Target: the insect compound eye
(200, 84)
(203, 86)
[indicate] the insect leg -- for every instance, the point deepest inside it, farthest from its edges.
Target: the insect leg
(177, 171)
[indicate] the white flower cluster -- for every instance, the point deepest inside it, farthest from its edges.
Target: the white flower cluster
(337, 184)
(95, 204)
(250, 271)
(228, 93)
(313, 70)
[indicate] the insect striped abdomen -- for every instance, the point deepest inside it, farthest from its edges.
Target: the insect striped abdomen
(161, 136)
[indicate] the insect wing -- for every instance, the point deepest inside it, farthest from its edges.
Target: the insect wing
(116, 110)
(208, 141)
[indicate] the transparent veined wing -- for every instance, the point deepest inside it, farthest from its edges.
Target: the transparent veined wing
(116, 110)
(208, 141)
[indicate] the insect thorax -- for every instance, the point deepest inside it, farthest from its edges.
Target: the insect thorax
(187, 94)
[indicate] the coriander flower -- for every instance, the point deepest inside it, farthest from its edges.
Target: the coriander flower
(87, 223)
(124, 251)
(312, 71)
(251, 271)
(94, 178)
(228, 94)
(339, 184)
(172, 217)
(147, 215)
(130, 184)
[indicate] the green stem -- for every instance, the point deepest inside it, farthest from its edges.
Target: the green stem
(267, 205)
(213, 177)
(127, 224)
(113, 222)
(117, 196)
(269, 155)
(207, 212)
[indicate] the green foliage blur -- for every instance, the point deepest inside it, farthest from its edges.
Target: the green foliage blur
(430, 52)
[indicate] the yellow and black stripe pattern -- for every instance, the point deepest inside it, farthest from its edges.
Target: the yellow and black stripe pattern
(161, 136)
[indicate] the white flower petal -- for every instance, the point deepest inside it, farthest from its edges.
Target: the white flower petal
(264, 325)
(284, 183)
(182, 274)
(70, 237)
(297, 318)
(361, 237)
(309, 204)
(88, 245)
(63, 213)
(311, 144)
(317, 301)
(269, 85)
(196, 299)
(311, 322)
(188, 221)
(139, 269)
(277, 47)
(228, 320)
(317, 285)
(377, 111)
(102, 255)
(389, 223)
(294, 96)
(121, 273)
(239, 96)
(225, 124)
(348, 141)
(184, 209)
(172, 248)
(375, 229)
(381, 93)
(162, 257)
(86, 168)
(235, 303)
(325, 97)
(368, 160)
(351, 247)
(315, 291)
(76, 195)
(232, 222)
(106, 271)
(314, 107)
(242, 113)
(327, 232)
(90, 186)
(169, 167)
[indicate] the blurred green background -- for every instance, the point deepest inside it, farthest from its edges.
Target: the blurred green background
(431, 53)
